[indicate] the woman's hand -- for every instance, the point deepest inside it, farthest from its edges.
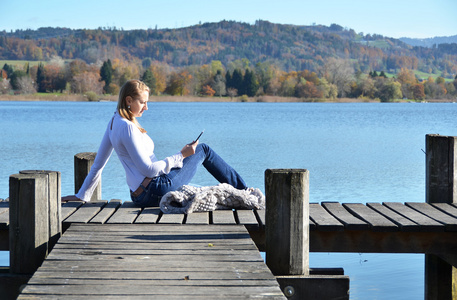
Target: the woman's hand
(189, 149)
(70, 198)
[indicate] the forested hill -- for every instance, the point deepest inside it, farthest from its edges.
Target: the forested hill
(430, 42)
(288, 46)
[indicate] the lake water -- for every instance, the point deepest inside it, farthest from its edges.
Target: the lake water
(355, 152)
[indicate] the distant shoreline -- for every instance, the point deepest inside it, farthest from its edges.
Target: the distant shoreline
(266, 99)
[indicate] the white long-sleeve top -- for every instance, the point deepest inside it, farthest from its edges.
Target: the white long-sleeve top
(136, 153)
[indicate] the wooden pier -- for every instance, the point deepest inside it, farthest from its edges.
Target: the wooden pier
(334, 227)
(109, 248)
(153, 262)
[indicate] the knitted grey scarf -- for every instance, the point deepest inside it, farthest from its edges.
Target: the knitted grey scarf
(188, 199)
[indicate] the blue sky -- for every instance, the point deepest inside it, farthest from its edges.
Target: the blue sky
(392, 18)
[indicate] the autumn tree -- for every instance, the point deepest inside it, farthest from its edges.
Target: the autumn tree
(451, 90)
(178, 83)
(54, 78)
(389, 90)
(124, 70)
(8, 69)
(232, 92)
(24, 85)
(418, 91)
(340, 73)
(160, 72)
(208, 91)
(288, 83)
(307, 89)
(202, 76)
(87, 82)
(367, 87)
(76, 67)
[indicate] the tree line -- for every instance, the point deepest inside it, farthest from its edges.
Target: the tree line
(290, 47)
(337, 78)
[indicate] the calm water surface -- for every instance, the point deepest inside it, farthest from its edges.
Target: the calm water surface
(355, 152)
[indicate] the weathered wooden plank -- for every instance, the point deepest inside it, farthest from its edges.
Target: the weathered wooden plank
(403, 223)
(425, 223)
(149, 215)
(97, 277)
(449, 222)
(108, 210)
(153, 230)
(126, 214)
(260, 215)
(157, 282)
(86, 212)
(349, 221)
(447, 208)
(197, 218)
(69, 208)
(223, 217)
(186, 287)
(377, 221)
(246, 217)
(136, 297)
(323, 220)
(171, 219)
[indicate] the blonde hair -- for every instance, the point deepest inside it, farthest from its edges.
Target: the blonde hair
(132, 88)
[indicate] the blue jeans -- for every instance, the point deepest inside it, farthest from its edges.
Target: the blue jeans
(178, 177)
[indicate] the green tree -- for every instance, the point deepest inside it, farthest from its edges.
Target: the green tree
(106, 74)
(237, 82)
(228, 80)
(250, 83)
(440, 80)
(389, 91)
(150, 80)
(16, 79)
(40, 79)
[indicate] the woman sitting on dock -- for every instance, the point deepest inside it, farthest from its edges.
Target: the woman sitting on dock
(147, 177)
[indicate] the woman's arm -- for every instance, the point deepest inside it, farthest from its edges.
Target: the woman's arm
(93, 178)
(133, 141)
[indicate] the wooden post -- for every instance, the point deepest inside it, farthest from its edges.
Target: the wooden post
(441, 187)
(54, 205)
(83, 163)
(29, 222)
(287, 221)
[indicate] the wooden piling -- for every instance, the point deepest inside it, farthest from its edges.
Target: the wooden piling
(441, 187)
(29, 223)
(287, 239)
(54, 195)
(287, 221)
(83, 163)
